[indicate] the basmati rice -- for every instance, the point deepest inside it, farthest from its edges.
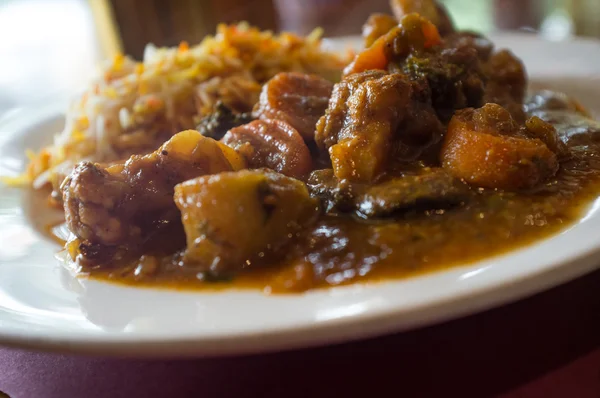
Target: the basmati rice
(132, 107)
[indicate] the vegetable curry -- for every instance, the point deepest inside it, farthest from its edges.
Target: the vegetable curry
(427, 153)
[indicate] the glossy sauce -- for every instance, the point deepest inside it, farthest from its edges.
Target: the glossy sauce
(343, 250)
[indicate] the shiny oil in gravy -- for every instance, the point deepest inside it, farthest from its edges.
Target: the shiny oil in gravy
(423, 156)
(342, 250)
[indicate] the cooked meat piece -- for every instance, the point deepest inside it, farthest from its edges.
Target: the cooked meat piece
(573, 129)
(376, 26)
(375, 119)
(453, 75)
(507, 83)
(375, 111)
(572, 121)
(421, 127)
(505, 69)
(335, 195)
(122, 205)
(272, 144)
(296, 98)
(430, 189)
(332, 122)
(424, 189)
(430, 9)
(465, 72)
(486, 148)
(221, 120)
(236, 219)
(481, 44)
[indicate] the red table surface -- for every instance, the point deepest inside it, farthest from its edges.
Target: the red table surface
(545, 346)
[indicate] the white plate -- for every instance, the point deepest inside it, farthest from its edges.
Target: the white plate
(42, 306)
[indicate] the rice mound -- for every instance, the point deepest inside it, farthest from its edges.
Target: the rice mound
(133, 107)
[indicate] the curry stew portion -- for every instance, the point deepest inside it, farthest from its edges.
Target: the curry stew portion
(426, 154)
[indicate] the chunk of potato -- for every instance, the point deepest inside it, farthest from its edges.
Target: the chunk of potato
(235, 219)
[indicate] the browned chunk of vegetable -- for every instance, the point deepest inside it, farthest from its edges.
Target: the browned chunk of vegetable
(486, 148)
(235, 219)
(296, 98)
(121, 206)
(414, 33)
(272, 144)
(376, 26)
(430, 9)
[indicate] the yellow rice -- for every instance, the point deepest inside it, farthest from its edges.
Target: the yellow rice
(131, 105)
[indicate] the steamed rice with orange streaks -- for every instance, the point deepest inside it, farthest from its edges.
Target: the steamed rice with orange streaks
(132, 107)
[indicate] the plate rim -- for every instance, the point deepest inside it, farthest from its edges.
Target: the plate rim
(484, 296)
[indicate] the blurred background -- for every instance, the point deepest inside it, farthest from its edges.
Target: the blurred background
(49, 48)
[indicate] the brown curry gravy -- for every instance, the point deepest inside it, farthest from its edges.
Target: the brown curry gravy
(343, 250)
